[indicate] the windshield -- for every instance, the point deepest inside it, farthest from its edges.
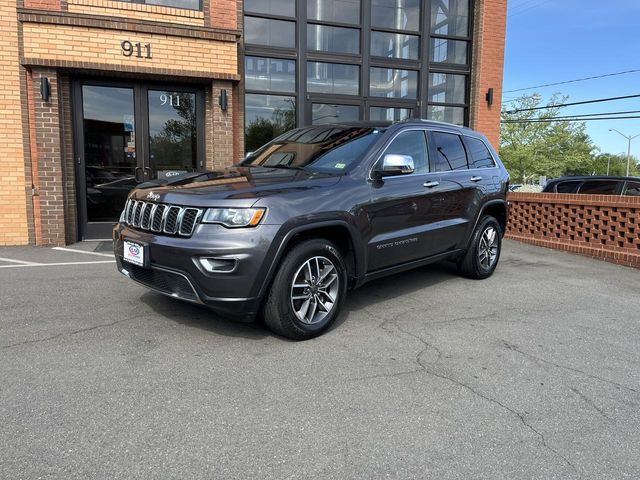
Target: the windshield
(326, 148)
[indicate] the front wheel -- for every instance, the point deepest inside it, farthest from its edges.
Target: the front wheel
(307, 292)
(482, 256)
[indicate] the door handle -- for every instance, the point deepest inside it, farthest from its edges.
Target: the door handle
(431, 184)
(139, 174)
(476, 179)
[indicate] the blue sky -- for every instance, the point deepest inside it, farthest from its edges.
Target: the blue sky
(556, 40)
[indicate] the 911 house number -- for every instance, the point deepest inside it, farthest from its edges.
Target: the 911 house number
(138, 49)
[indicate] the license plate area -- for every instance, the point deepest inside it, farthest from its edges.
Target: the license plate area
(135, 253)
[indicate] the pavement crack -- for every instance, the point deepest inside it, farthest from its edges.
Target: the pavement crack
(591, 403)
(565, 367)
(69, 334)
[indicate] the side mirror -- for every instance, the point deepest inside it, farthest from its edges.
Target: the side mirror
(394, 164)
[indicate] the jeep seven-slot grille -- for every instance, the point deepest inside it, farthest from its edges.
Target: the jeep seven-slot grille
(161, 218)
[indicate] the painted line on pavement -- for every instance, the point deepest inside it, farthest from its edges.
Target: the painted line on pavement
(57, 264)
(75, 250)
(21, 262)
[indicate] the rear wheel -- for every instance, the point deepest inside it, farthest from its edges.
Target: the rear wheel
(307, 292)
(483, 254)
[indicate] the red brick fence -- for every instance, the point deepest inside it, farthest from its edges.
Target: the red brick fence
(601, 226)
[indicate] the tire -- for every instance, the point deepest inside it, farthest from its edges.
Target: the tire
(480, 262)
(307, 292)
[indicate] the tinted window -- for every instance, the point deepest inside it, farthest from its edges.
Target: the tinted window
(479, 156)
(272, 33)
(344, 11)
(395, 45)
(599, 187)
(450, 17)
(285, 8)
(333, 78)
(320, 148)
(266, 117)
(441, 113)
(448, 51)
(567, 187)
(414, 144)
(450, 152)
(323, 113)
(447, 88)
(270, 74)
(632, 188)
(392, 83)
(396, 14)
(333, 39)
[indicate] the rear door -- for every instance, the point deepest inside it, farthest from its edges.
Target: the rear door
(462, 189)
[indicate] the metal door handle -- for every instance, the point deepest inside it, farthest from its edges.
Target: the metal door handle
(431, 184)
(476, 179)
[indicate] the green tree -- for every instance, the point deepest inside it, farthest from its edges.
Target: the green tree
(264, 129)
(535, 142)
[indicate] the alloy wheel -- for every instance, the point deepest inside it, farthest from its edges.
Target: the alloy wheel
(488, 248)
(314, 290)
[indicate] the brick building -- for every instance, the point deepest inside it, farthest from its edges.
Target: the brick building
(99, 95)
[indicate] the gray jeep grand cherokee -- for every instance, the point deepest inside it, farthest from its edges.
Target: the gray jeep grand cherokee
(317, 211)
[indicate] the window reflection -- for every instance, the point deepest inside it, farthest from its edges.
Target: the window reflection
(333, 39)
(271, 33)
(285, 8)
(447, 88)
(390, 114)
(392, 83)
(343, 11)
(266, 117)
(395, 45)
(323, 113)
(270, 74)
(448, 51)
(333, 78)
(450, 17)
(441, 113)
(396, 14)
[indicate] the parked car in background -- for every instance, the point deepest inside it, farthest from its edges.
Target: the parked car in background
(315, 212)
(593, 185)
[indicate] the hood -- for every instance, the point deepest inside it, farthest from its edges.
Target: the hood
(234, 186)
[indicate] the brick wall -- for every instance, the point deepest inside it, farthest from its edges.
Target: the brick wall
(224, 14)
(13, 182)
(599, 226)
(488, 66)
(222, 127)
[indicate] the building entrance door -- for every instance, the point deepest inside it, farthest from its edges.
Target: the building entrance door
(126, 134)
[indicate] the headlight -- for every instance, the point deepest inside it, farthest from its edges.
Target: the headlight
(234, 217)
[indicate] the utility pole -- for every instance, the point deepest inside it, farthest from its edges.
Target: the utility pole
(629, 138)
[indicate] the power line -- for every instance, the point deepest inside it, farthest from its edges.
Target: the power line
(569, 119)
(574, 81)
(527, 8)
(599, 100)
(589, 115)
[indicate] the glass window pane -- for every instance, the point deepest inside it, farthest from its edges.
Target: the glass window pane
(266, 117)
(447, 88)
(285, 8)
(395, 45)
(109, 149)
(396, 14)
(390, 114)
(272, 33)
(451, 154)
(188, 4)
(333, 39)
(596, 187)
(270, 74)
(567, 187)
(479, 156)
(632, 188)
(450, 17)
(172, 131)
(448, 51)
(440, 113)
(343, 11)
(323, 113)
(392, 83)
(333, 78)
(414, 144)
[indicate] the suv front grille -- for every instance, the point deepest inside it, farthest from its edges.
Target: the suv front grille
(161, 218)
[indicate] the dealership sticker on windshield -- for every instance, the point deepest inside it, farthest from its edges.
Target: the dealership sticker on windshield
(341, 165)
(134, 253)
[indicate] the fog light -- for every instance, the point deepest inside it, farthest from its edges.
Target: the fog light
(218, 265)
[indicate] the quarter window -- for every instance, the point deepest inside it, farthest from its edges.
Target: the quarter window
(414, 144)
(632, 188)
(449, 152)
(595, 187)
(567, 187)
(479, 155)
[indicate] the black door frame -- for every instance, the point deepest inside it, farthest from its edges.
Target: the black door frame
(102, 230)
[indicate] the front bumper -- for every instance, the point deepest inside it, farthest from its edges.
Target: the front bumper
(174, 268)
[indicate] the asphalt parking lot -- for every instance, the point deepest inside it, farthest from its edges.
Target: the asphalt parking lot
(534, 373)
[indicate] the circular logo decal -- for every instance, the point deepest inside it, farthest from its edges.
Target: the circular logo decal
(133, 250)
